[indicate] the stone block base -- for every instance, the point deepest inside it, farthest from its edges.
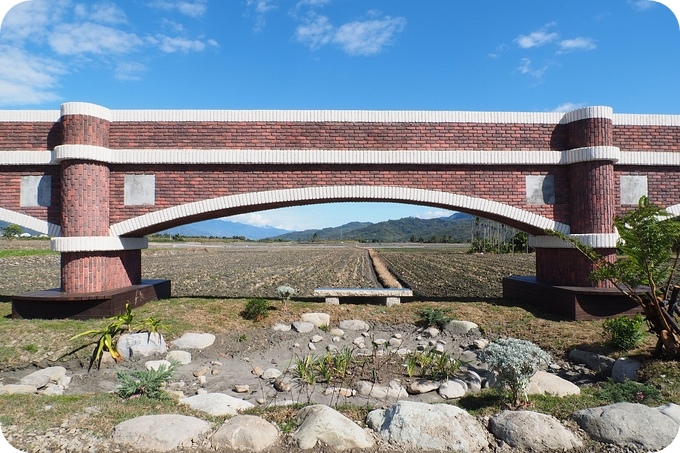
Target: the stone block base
(54, 304)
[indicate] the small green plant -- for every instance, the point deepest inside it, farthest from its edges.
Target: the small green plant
(285, 292)
(624, 332)
(433, 317)
(515, 361)
(30, 348)
(154, 325)
(241, 338)
(325, 328)
(256, 309)
(628, 391)
(147, 383)
(431, 364)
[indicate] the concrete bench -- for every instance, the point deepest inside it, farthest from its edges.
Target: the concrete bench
(392, 295)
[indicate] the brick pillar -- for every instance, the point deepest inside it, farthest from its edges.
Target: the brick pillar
(89, 263)
(591, 199)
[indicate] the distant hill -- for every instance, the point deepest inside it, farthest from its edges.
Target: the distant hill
(224, 228)
(455, 228)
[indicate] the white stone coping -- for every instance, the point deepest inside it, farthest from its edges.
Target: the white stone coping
(331, 193)
(97, 244)
(386, 116)
(32, 223)
(363, 292)
(322, 156)
(597, 241)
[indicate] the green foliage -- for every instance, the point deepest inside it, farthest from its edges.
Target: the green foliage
(515, 361)
(285, 292)
(628, 391)
(147, 383)
(433, 317)
(624, 332)
(431, 364)
(256, 309)
(12, 231)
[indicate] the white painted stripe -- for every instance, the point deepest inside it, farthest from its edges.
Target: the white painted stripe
(26, 158)
(97, 244)
(85, 108)
(84, 152)
(650, 158)
(591, 153)
(588, 113)
(598, 241)
(29, 116)
(26, 221)
(372, 193)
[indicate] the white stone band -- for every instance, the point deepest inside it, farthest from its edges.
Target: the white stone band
(97, 244)
(25, 221)
(597, 241)
(87, 109)
(329, 193)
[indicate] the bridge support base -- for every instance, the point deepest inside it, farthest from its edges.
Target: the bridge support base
(572, 302)
(54, 304)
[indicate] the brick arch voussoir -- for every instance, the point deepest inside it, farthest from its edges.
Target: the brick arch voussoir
(259, 201)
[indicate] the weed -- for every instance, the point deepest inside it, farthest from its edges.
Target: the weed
(628, 391)
(241, 338)
(147, 383)
(30, 348)
(325, 328)
(624, 332)
(433, 317)
(256, 309)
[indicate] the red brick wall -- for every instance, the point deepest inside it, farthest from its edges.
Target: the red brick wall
(16, 136)
(647, 138)
(568, 267)
(84, 272)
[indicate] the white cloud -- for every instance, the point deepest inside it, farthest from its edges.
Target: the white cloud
(106, 13)
(366, 37)
(526, 67)
(75, 39)
(170, 44)
(579, 43)
(568, 107)
(129, 71)
(537, 38)
(641, 5)
(260, 9)
(195, 8)
(433, 214)
(27, 79)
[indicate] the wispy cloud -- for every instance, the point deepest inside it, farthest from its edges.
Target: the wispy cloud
(537, 38)
(641, 5)
(196, 8)
(172, 44)
(433, 214)
(259, 9)
(580, 43)
(361, 37)
(568, 107)
(91, 38)
(27, 79)
(527, 67)
(105, 13)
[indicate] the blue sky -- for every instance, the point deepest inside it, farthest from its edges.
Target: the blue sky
(495, 55)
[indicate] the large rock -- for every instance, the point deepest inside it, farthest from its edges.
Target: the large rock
(394, 390)
(543, 382)
(672, 410)
(16, 389)
(421, 386)
(142, 344)
(453, 388)
(245, 433)
(182, 357)
(420, 426)
(216, 403)
(193, 340)
(318, 319)
(459, 327)
(303, 326)
(628, 424)
(532, 431)
(160, 432)
(354, 324)
(625, 369)
(43, 377)
(321, 423)
(595, 362)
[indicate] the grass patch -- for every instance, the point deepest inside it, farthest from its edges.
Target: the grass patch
(11, 253)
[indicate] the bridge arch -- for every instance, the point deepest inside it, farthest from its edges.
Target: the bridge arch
(30, 222)
(257, 201)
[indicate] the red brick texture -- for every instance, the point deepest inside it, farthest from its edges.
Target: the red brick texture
(568, 267)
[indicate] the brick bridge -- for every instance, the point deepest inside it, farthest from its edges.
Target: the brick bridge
(99, 180)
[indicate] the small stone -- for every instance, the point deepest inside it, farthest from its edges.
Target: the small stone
(201, 372)
(318, 319)
(354, 324)
(422, 386)
(439, 347)
(317, 338)
(156, 364)
(311, 346)
(379, 342)
(202, 379)
(395, 342)
(216, 363)
(283, 384)
(256, 371)
(183, 357)
(215, 372)
(481, 343)
(242, 388)
(280, 327)
(359, 342)
(271, 373)
(336, 339)
(332, 348)
(431, 332)
(337, 332)
(454, 388)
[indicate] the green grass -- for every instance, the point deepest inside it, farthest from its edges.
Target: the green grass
(10, 253)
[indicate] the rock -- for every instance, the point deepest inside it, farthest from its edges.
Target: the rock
(283, 384)
(316, 339)
(354, 324)
(271, 373)
(439, 348)
(454, 388)
(16, 389)
(671, 410)
(543, 382)
(156, 364)
(303, 327)
(337, 332)
(279, 327)
(318, 319)
(628, 424)
(421, 386)
(393, 390)
(194, 341)
(532, 431)
(257, 371)
(480, 343)
(143, 344)
(311, 346)
(245, 433)
(183, 357)
(624, 369)
(241, 388)
(431, 332)
(595, 362)
(216, 404)
(395, 342)
(160, 432)
(421, 426)
(459, 327)
(64, 381)
(43, 377)
(474, 381)
(321, 423)
(340, 391)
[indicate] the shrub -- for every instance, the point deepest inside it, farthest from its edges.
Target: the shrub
(515, 361)
(147, 383)
(624, 332)
(285, 292)
(256, 309)
(433, 317)
(628, 391)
